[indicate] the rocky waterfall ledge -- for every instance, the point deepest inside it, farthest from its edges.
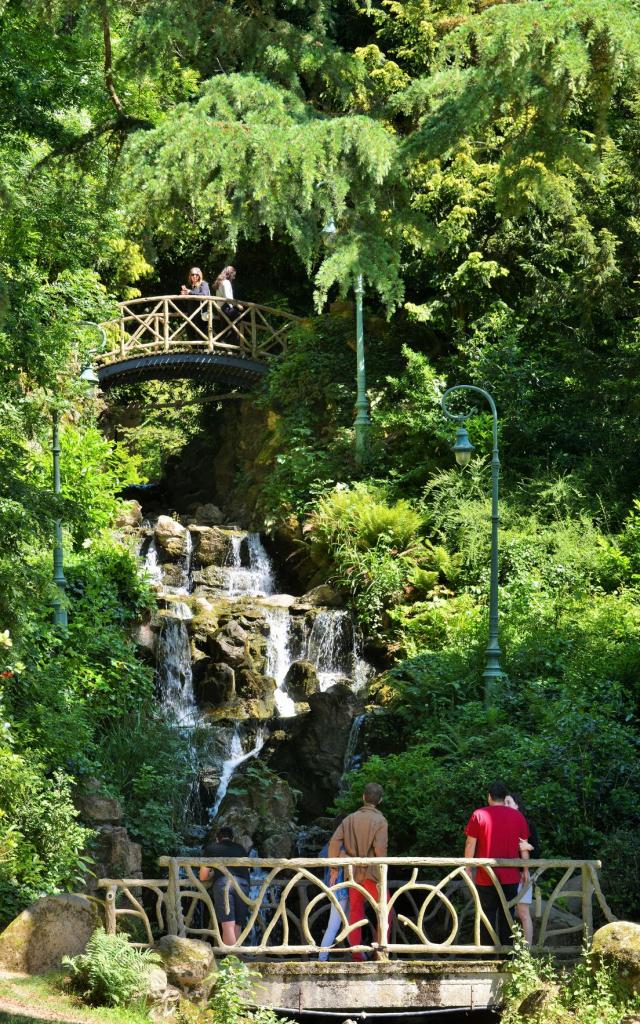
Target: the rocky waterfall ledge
(267, 685)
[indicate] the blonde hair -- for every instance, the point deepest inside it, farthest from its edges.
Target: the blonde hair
(228, 274)
(196, 270)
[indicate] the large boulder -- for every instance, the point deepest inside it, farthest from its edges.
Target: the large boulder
(129, 515)
(260, 816)
(322, 596)
(187, 962)
(115, 856)
(53, 927)
(213, 547)
(301, 680)
(617, 945)
(171, 539)
(208, 515)
(312, 751)
(95, 808)
(218, 685)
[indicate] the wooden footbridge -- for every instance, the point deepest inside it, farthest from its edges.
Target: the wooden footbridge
(206, 338)
(433, 945)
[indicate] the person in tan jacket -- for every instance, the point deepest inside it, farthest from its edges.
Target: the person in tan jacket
(362, 834)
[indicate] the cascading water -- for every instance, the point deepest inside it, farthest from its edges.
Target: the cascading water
(249, 571)
(175, 677)
(237, 756)
(279, 657)
(350, 754)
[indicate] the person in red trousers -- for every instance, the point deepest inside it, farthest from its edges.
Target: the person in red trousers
(362, 834)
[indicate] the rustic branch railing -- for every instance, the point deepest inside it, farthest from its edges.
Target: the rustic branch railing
(429, 906)
(195, 323)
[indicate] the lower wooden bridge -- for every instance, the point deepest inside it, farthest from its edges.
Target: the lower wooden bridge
(424, 929)
(203, 337)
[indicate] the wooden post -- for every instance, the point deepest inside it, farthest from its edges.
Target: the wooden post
(383, 911)
(254, 334)
(175, 923)
(165, 314)
(122, 335)
(110, 909)
(210, 307)
(587, 900)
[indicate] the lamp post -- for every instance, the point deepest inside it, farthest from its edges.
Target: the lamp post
(60, 618)
(463, 450)
(362, 421)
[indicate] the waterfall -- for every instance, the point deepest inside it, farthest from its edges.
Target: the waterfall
(352, 746)
(175, 680)
(279, 657)
(330, 647)
(254, 579)
(151, 564)
(237, 756)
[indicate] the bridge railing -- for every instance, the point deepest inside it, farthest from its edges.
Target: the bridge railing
(426, 906)
(192, 323)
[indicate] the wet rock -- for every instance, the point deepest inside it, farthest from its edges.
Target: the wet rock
(223, 648)
(219, 684)
(95, 808)
(322, 596)
(51, 928)
(171, 539)
(145, 641)
(207, 580)
(187, 961)
(617, 945)
(301, 680)
(173, 574)
(213, 547)
(277, 601)
(208, 515)
(311, 759)
(129, 516)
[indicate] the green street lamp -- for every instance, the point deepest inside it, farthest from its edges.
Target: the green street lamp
(90, 378)
(362, 422)
(463, 449)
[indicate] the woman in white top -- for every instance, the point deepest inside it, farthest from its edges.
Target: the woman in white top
(223, 284)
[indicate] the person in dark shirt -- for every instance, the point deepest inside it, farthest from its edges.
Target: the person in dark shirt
(231, 920)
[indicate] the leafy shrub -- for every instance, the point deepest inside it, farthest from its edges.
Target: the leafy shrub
(111, 971)
(360, 517)
(41, 841)
(231, 999)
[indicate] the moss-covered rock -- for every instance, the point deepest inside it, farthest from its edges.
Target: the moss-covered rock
(617, 945)
(187, 962)
(171, 539)
(212, 547)
(53, 927)
(301, 680)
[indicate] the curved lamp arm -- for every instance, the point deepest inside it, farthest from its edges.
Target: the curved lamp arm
(463, 449)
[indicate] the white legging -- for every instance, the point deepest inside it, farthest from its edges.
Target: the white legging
(334, 925)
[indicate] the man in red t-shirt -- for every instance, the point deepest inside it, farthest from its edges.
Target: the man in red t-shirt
(496, 831)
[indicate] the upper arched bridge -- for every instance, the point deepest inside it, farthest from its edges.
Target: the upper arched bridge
(206, 338)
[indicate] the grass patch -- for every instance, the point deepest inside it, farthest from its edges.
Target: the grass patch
(27, 999)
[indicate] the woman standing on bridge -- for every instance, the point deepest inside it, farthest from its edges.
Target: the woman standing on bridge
(197, 286)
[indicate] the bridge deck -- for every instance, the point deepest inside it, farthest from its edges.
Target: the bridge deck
(202, 337)
(397, 985)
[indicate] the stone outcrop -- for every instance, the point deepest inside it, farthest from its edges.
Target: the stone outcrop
(617, 945)
(95, 808)
(116, 855)
(301, 680)
(53, 927)
(171, 539)
(208, 515)
(212, 547)
(311, 757)
(261, 816)
(129, 516)
(322, 596)
(230, 662)
(188, 962)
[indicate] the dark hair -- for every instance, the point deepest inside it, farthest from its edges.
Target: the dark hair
(225, 832)
(498, 790)
(228, 274)
(372, 793)
(517, 799)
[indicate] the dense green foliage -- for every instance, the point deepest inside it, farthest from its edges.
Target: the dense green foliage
(231, 999)
(480, 161)
(588, 993)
